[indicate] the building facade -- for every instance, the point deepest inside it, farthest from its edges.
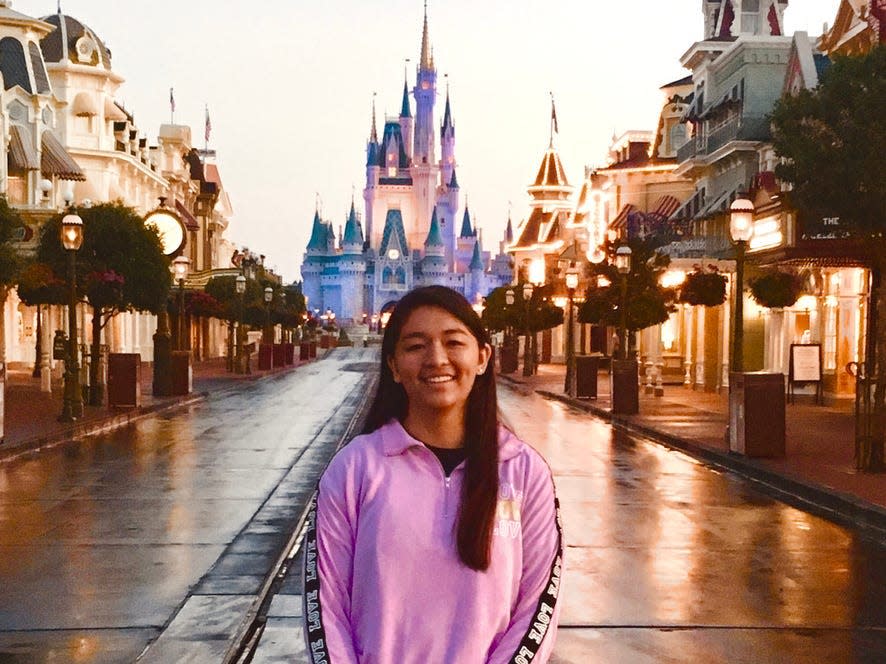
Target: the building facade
(414, 230)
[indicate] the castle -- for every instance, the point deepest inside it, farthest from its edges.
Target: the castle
(412, 205)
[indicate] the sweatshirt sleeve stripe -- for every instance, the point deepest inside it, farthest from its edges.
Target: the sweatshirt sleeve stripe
(315, 633)
(547, 602)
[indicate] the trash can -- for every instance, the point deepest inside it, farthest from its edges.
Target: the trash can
(124, 379)
(304, 351)
(586, 368)
(625, 387)
(279, 354)
(265, 357)
(289, 353)
(182, 377)
(509, 361)
(757, 414)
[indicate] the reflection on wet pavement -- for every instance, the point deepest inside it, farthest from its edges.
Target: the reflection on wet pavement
(671, 561)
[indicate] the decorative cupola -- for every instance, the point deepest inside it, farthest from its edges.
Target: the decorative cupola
(352, 241)
(466, 228)
(434, 245)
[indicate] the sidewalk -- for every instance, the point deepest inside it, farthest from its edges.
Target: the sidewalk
(31, 416)
(817, 472)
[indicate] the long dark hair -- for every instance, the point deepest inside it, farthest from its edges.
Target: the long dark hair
(480, 489)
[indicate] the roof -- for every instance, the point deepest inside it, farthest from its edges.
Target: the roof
(71, 40)
(435, 237)
(476, 261)
(353, 233)
(393, 131)
(447, 118)
(686, 80)
(540, 228)
(453, 181)
(9, 16)
(550, 172)
(466, 229)
(405, 111)
(509, 232)
(318, 234)
(394, 235)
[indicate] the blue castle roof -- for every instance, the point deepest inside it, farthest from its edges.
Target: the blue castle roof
(405, 111)
(476, 261)
(466, 230)
(353, 232)
(435, 237)
(318, 234)
(394, 234)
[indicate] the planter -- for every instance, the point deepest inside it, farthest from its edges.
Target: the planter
(776, 289)
(707, 289)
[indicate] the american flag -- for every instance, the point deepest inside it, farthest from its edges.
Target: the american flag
(208, 129)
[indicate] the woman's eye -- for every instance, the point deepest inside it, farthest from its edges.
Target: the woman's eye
(455, 342)
(413, 347)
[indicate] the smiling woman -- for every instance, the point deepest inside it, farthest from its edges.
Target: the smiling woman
(435, 535)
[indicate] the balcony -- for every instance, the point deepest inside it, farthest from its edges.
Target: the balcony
(738, 128)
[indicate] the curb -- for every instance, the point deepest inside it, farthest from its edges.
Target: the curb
(94, 426)
(836, 506)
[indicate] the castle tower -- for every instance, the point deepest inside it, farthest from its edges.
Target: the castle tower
(447, 145)
(372, 171)
(406, 121)
(425, 93)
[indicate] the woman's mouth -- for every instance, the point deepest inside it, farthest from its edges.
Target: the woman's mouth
(434, 380)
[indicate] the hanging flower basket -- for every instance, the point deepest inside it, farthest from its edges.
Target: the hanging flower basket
(776, 289)
(704, 288)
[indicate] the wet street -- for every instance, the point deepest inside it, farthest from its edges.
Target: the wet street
(667, 559)
(101, 541)
(671, 561)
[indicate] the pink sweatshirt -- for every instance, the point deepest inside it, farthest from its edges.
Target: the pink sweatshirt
(383, 580)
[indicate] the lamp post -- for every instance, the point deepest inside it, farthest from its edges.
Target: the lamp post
(623, 265)
(240, 287)
(741, 228)
(527, 352)
(269, 295)
(180, 268)
(72, 240)
(624, 375)
(571, 285)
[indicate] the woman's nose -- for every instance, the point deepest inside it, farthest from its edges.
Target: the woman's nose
(436, 354)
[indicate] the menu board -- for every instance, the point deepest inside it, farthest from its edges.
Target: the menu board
(805, 363)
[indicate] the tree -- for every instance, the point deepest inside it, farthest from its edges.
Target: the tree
(648, 303)
(10, 262)
(120, 267)
(831, 141)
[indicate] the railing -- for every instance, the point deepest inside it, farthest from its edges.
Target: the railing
(869, 430)
(738, 128)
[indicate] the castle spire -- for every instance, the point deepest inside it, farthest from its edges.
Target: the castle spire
(447, 112)
(373, 135)
(427, 57)
(405, 111)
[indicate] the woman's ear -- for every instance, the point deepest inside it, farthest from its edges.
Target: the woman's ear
(393, 367)
(485, 354)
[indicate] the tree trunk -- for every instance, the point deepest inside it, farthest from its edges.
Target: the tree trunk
(96, 384)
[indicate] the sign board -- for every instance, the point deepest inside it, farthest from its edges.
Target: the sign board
(805, 367)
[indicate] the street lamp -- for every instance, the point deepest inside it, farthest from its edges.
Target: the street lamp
(527, 353)
(72, 240)
(741, 228)
(269, 295)
(571, 285)
(623, 265)
(180, 267)
(240, 288)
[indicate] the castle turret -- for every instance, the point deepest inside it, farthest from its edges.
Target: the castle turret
(447, 147)
(434, 244)
(406, 122)
(466, 229)
(425, 93)
(352, 242)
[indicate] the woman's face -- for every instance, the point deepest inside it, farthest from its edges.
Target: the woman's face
(436, 360)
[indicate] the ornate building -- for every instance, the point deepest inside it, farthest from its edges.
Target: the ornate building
(412, 204)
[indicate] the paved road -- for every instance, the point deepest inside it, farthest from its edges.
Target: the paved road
(670, 561)
(101, 541)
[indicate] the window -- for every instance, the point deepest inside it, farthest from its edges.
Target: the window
(830, 334)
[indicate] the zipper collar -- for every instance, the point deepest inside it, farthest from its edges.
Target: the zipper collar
(396, 440)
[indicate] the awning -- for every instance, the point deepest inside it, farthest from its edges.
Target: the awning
(84, 105)
(621, 219)
(720, 204)
(114, 112)
(190, 222)
(665, 206)
(22, 155)
(55, 160)
(689, 207)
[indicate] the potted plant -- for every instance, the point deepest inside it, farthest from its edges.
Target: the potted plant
(703, 287)
(776, 289)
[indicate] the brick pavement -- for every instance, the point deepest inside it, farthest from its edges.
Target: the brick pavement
(818, 469)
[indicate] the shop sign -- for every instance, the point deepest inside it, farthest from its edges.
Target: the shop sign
(768, 233)
(823, 228)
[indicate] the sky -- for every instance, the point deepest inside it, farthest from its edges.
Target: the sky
(289, 87)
